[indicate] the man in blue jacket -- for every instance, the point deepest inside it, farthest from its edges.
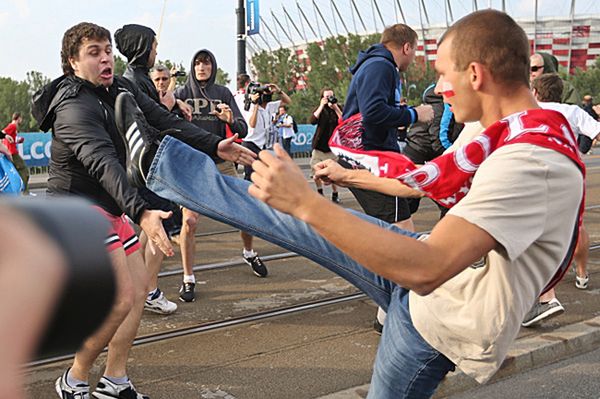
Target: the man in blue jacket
(375, 93)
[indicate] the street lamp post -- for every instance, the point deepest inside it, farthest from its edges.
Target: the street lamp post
(241, 37)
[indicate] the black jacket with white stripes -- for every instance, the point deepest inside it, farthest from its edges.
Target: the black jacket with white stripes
(88, 153)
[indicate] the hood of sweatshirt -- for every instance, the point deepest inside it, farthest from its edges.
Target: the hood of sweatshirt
(550, 63)
(135, 43)
(199, 88)
(376, 50)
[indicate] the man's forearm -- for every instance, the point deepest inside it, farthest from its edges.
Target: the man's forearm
(361, 178)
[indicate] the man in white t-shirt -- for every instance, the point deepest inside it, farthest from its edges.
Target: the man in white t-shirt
(547, 89)
(458, 297)
(285, 128)
(262, 133)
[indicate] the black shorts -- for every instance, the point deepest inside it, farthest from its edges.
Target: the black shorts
(255, 149)
(382, 206)
(172, 225)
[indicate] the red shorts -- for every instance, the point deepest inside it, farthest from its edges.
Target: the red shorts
(120, 234)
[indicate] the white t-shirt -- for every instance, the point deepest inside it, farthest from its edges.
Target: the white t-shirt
(581, 122)
(286, 132)
(527, 198)
(263, 133)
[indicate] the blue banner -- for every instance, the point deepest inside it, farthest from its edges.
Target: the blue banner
(35, 150)
(303, 140)
(252, 17)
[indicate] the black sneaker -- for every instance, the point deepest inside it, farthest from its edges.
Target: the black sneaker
(257, 265)
(335, 197)
(186, 292)
(138, 135)
(377, 326)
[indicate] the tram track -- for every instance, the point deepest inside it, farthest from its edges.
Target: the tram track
(223, 323)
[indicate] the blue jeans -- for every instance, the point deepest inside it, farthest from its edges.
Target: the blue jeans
(405, 366)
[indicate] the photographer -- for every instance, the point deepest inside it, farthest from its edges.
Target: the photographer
(285, 129)
(326, 117)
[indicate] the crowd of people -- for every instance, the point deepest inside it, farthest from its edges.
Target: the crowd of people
(146, 152)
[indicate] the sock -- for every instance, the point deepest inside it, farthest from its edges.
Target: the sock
(320, 191)
(73, 382)
(155, 293)
(118, 380)
(248, 254)
(381, 314)
(334, 195)
(189, 279)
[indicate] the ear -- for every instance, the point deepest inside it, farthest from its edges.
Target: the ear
(477, 75)
(73, 63)
(406, 48)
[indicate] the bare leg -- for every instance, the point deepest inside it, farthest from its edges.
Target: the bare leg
(582, 252)
(120, 344)
(548, 296)
(153, 262)
(247, 240)
(93, 346)
(187, 241)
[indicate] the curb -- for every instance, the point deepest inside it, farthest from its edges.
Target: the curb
(526, 353)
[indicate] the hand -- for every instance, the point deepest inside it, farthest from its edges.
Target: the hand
(151, 223)
(280, 183)
(254, 97)
(186, 110)
(596, 108)
(229, 150)
(425, 113)
(324, 101)
(20, 139)
(331, 172)
(167, 98)
(224, 113)
(274, 88)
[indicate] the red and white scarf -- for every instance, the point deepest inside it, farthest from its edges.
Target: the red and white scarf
(447, 178)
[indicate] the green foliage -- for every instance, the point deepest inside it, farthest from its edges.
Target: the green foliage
(222, 77)
(16, 97)
(120, 66)
(328, 68)
(588, 82)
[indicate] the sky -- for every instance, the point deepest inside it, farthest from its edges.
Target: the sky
(31, 30)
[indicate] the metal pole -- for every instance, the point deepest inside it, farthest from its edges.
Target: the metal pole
(374, 20)
(271, 32)
(359, 16)
(423, 33)
(341, 19)
(425, 12)
(401, 11)
(282, 28)
(160, 24)
(307, 21)
(337, 32)
(535, 14)
(241, 37)
(571, 38)
(322, 18)
(450, 11)
(303, 36)
(379, 12)
(503, 5)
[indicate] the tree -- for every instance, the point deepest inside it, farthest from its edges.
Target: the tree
(120, 66)
(588, 82)
(222, 77)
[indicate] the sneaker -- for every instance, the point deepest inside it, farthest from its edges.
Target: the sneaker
(186, 292)
(106, 389)
(160, 304)
(582, 282)
(542, 311)
(65, 391)
(335, 198)
(138, 135)
(377, 326)
(258, 267)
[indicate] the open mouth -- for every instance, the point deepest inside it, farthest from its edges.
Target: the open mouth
(106, 73)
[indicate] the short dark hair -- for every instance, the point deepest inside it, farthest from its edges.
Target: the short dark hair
(549, 87)
(494, 39)
(324, 89)
(74, 37)
(203, 57)
(398, 35)
(16, 116)
(161, 68)
(283, 106)
(243, 79)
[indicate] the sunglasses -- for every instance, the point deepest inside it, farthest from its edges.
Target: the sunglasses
(536, 68)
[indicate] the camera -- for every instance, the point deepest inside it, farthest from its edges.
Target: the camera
(257, 88)
(179, 74)
(332, 99)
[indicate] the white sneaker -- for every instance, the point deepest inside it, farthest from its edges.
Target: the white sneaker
(64, 390)
(106, 389)
(160, 305)
(582, 282)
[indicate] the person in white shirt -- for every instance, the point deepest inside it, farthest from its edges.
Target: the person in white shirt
(285, 129)
(547, 89)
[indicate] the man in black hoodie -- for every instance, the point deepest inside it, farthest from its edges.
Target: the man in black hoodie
(138, 44)
(213, 108)
(89, 159)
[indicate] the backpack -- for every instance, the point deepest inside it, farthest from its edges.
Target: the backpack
(294, 126)
(10, 181)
